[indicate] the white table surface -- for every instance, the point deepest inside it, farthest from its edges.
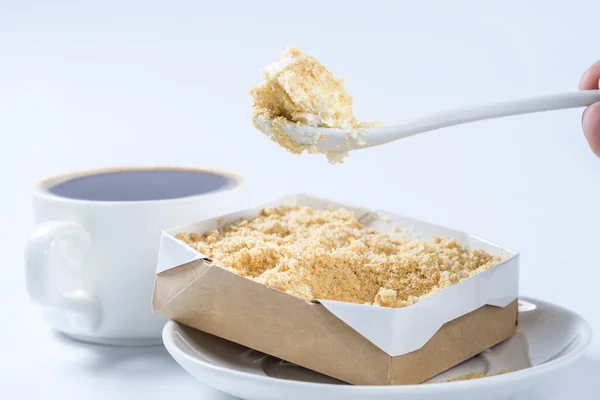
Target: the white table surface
(144, 82)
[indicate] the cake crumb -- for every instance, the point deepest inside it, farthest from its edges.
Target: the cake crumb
(330, 255)
(299, 91)
(475, 375)
(467, 377)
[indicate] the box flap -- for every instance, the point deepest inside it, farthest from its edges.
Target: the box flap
(457, 341)
(174, 281)
(172, 254)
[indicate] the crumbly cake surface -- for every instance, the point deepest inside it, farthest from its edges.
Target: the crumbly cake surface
(331, 255)
(298, 89)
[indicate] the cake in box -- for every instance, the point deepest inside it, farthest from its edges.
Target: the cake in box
(341, 290)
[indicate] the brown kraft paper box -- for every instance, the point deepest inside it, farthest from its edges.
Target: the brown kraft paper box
(353, 343)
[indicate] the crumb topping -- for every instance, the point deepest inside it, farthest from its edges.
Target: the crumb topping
(299, 90)
(330, 255)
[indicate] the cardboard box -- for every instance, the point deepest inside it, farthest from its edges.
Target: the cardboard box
(355, 343)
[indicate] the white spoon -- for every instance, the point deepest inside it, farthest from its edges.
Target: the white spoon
(338, 140)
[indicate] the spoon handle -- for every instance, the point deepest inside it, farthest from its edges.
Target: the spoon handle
(487, 111)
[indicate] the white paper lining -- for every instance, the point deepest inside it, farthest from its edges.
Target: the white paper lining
(396, 331)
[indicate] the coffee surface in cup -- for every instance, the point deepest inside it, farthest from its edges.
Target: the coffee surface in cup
(142, 185)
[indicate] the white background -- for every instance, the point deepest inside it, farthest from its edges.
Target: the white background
(92, 84)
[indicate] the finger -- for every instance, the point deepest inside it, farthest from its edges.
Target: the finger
(591, 127)
(591, 78)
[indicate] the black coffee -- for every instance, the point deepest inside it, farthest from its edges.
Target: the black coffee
(143, 185)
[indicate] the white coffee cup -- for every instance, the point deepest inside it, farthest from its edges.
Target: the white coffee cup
(91, 261)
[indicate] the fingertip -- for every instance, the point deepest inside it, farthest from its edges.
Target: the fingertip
(591, 127)
(590, 79)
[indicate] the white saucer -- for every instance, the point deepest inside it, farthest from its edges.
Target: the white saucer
(548, 339)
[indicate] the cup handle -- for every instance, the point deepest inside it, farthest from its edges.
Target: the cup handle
(71, 241)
